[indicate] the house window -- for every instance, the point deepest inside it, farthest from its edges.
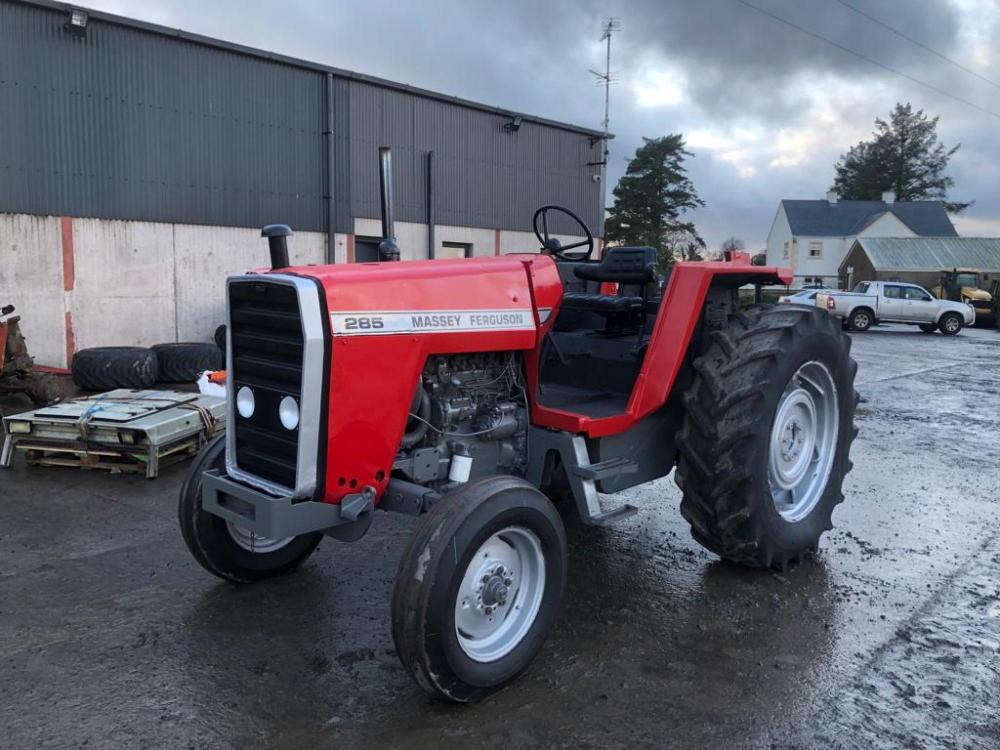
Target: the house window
(785, 253)
(455, 250)
(815, 249)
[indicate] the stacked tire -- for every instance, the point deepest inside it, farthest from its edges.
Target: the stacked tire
(105, 368)
(186, 361)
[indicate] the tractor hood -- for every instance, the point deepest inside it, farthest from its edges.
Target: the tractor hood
(976, 295)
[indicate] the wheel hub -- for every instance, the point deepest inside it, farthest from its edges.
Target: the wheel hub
(253, 542)
(803, 441)
(500, 594)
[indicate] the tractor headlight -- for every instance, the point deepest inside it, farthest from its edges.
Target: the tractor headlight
(245, 402)
(19, 428)
(288, 413)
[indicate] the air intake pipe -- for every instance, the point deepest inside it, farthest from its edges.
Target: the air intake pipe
(277, 243)
(387, 248)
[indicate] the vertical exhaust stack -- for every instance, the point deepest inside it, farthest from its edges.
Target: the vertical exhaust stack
(387, 249)
(277, 243)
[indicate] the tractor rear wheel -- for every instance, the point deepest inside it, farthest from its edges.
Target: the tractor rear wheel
(479, 587)
(225, 549)
(769, 421)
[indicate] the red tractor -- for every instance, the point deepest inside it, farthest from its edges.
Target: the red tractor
(482, 393)
(18, 373)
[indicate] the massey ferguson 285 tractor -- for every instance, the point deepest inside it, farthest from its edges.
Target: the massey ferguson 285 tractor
(482, 393)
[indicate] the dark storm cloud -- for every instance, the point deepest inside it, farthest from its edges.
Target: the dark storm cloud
(736, 69)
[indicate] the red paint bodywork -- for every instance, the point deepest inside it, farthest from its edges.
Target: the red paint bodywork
(372, 378)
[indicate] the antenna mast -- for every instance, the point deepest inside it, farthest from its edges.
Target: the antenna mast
(608, 27)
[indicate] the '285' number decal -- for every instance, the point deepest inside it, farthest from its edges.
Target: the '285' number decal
(363, 324)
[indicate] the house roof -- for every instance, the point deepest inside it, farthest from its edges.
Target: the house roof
(931, 253)
(818, 218)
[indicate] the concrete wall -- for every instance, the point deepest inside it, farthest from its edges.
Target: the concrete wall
(80, 283)
(31, 278)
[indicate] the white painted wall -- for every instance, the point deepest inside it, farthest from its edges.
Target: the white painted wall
(781, 232)
(31, 279)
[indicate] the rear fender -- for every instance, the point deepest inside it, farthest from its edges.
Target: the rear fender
(673, 337)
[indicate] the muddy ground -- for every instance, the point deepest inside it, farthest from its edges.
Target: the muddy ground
(111, 636)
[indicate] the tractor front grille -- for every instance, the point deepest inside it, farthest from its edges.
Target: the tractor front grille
(267, 346)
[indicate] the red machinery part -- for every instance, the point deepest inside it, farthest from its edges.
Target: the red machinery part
(420, 308)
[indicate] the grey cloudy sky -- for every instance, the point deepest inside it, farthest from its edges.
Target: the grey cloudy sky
(765, 108)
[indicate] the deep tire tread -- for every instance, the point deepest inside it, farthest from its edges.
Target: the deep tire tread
(723, 424)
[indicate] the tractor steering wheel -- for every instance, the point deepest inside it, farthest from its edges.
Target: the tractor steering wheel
(552, 246)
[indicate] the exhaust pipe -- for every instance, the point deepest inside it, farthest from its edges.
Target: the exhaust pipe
(387, 249)
(277, 243)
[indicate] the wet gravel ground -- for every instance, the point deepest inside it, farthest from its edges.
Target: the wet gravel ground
(111, 636)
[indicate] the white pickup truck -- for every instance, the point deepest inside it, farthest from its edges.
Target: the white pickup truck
(873, 302)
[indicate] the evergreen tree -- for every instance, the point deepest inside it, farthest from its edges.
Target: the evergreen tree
(651, 196)
(904, 156)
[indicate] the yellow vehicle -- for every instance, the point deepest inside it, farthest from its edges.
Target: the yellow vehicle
(963, 285)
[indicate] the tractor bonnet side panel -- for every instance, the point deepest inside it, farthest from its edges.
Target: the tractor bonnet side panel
(386, 319)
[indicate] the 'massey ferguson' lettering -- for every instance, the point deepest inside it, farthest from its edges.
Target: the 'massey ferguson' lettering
(369, 323)
(436, 321)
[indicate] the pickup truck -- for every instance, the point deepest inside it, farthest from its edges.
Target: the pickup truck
(873, 302)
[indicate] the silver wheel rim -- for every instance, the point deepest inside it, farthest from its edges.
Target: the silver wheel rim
(500, 594)
(254, 542)
(951, 323)
(803, 441)
(861, 320)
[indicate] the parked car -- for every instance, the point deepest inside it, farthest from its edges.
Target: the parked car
(873, 302)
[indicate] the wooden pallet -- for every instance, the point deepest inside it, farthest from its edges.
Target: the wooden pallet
(115, 461)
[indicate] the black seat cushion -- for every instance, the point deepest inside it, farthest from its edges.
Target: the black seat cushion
(602, 303)
(625, 265)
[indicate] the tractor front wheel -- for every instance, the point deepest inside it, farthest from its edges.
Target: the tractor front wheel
(768, 428)
(225, 549)
(479, 588)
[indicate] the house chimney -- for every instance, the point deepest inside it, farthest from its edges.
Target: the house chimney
(832, 197)
(889, 197)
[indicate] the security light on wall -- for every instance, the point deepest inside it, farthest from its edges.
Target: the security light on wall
(76, 24)
(513, 125)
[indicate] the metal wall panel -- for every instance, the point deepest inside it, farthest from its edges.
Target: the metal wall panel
(483, 176)
(126, 124)
(137, 122)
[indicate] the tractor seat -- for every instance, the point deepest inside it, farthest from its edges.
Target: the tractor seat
(627, 266)
(606, 304)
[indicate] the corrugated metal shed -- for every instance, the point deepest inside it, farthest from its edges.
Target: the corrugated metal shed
(137, 121)
(931, 253)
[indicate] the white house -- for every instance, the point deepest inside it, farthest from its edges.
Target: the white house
(814, 236)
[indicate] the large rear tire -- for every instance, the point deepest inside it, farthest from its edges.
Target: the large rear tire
(767, 434)
(225, 549)
(479, 588)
